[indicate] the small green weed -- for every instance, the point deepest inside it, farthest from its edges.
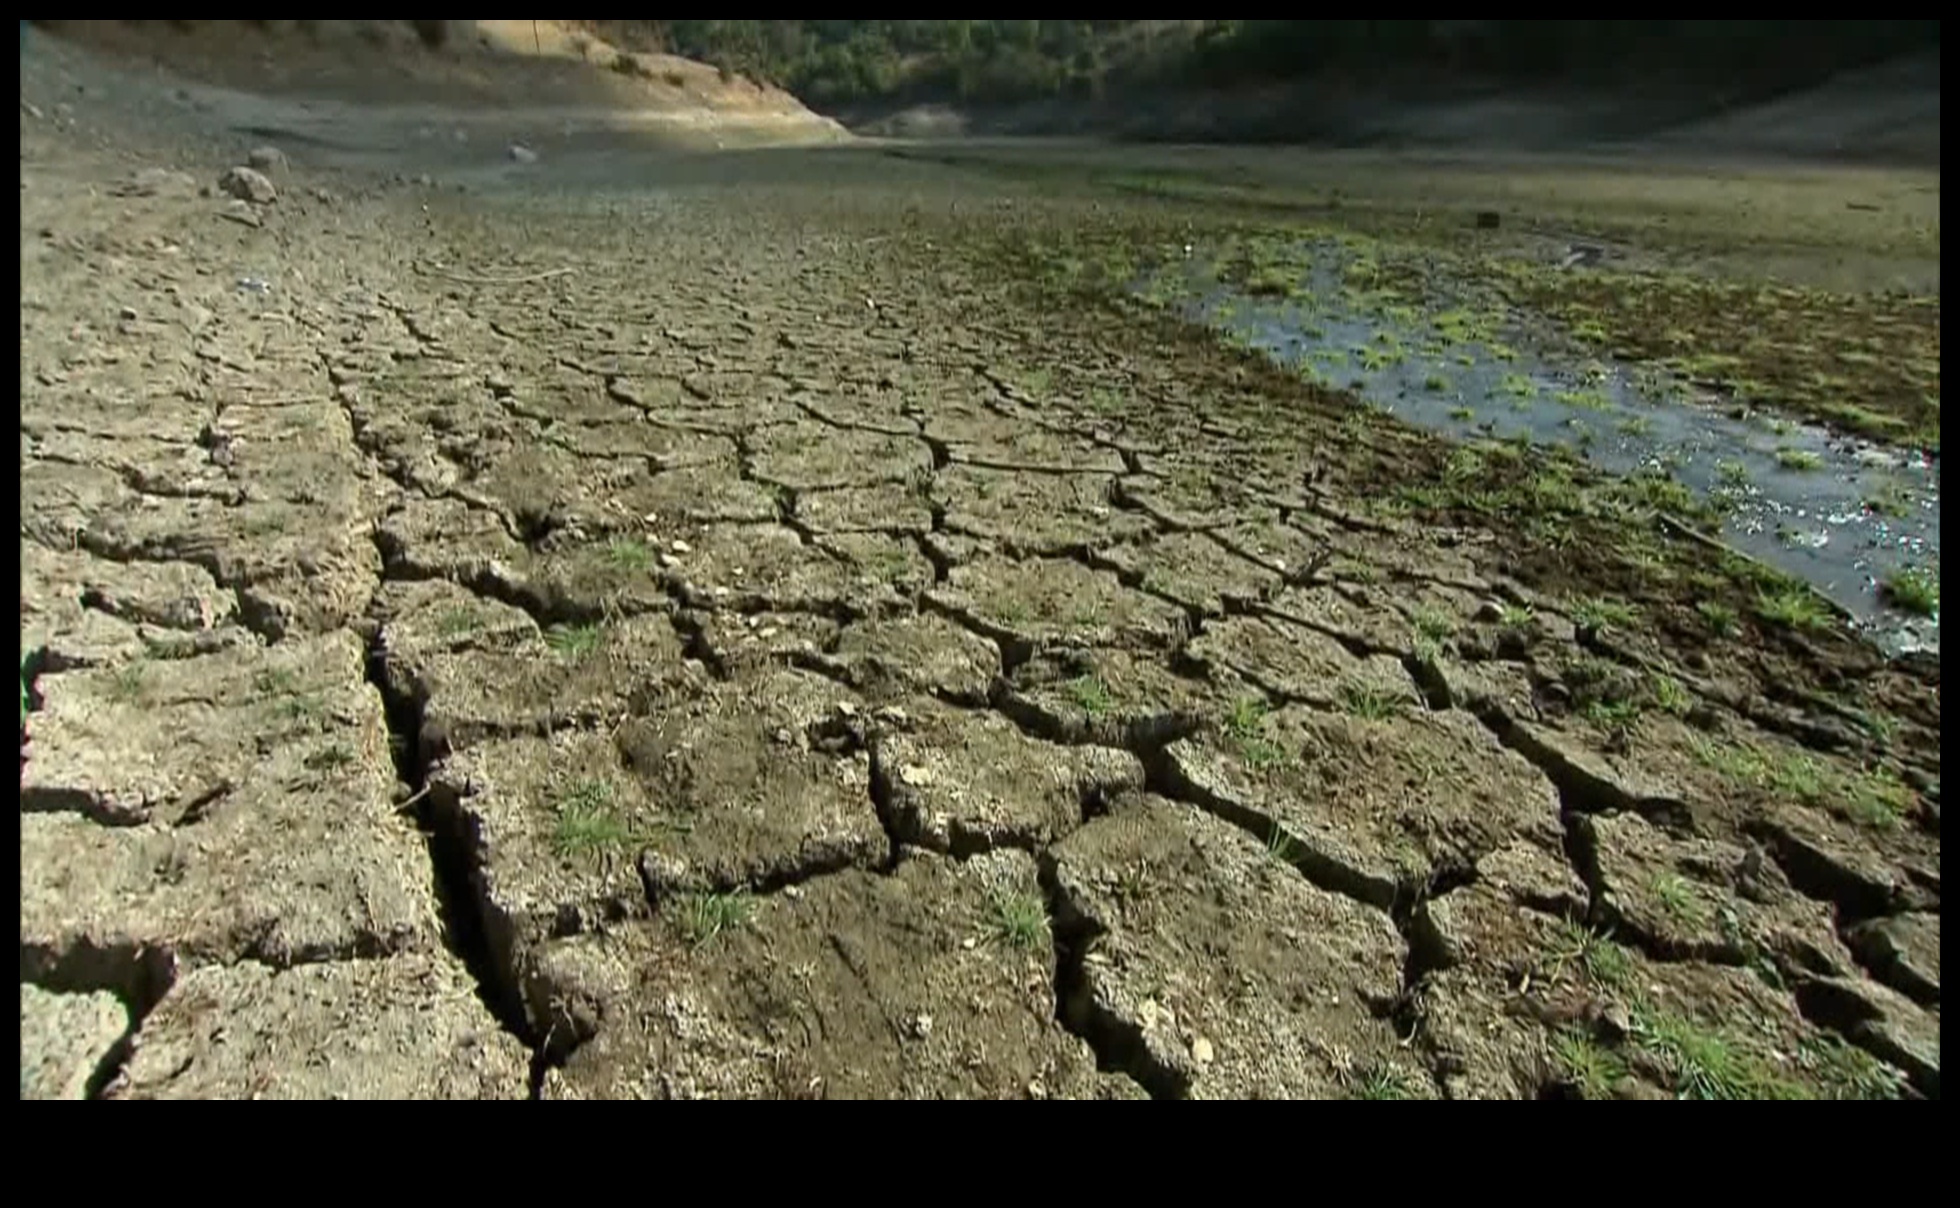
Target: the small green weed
(1018, 919)
(1515, 616)
(1796, 608)
(1602, 960)
(1090, 695)
(573, 642)
(1723, 620)
(1602, 614)
(1914, 590)
(1705, 1063)
(1370, 702)
(1380, 1080)
(1246, 724)
(1671, 697)
(1732, 473)
(1798, 459)
(1845, 1071)
(703, 916)
(1433, 625)
(587, 822)
(629, 555)
(1280, 846)
(1610, 714)
(1594, 1070)
(1678, 898)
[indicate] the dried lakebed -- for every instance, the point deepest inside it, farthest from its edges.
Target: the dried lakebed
(1843, 515)
(763, 661)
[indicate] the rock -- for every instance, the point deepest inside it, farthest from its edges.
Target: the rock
(1903, 951)
(267, 159)
(409, 1027)
(519, 153)
(1881, 1021)
(248, 184)
(240, 211)
(157, 182)
(64, 1039)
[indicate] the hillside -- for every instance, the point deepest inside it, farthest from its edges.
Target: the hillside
(1339, 81)
(483, 65)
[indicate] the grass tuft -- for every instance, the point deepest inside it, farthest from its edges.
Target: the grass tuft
(1017, 919)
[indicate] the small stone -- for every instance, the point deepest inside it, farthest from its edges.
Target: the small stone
(127, 314)
(1201, 1051)
(793, 892)
(158, 182)
(267, 159)
(922, 1025)
(1037, 1089)
(241, 212)
(248, 184)
(668, 560)
(969, 943)
(680, 547)
(519, 153)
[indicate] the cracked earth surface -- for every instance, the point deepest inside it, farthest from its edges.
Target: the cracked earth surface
(760, 661)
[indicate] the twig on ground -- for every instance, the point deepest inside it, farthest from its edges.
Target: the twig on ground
(436, 268)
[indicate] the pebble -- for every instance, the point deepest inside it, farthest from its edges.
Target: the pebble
(240, 211)
(1201, 1051)
(519, 153)
(267, 159)
(248, 184)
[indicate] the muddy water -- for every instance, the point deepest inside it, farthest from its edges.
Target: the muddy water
(1794, 495)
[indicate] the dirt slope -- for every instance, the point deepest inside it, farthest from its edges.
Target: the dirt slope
(479, 65)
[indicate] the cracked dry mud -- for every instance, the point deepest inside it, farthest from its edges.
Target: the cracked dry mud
(707, 673)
